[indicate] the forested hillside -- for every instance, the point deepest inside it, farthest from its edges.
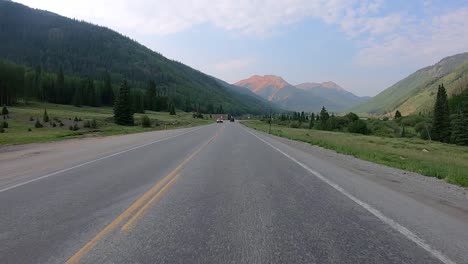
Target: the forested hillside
(88, 55)
(416, 92)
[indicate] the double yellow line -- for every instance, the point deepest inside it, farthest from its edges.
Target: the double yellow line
(140, 206)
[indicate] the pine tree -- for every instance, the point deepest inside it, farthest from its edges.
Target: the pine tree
(460, 124)
(311, 121)
(324, 116)
(45, 117)
(458, 134)
(172, 110)
(441, 120)
(77, 96)
(5, 111)
(151, 96)
(123, 113)
(107, 92)
(397, 114)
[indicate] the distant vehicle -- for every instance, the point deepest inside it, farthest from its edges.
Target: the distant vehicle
(232, 119)
(219, 120)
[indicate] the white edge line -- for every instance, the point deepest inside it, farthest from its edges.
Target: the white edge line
(96, 160)
(403, 230)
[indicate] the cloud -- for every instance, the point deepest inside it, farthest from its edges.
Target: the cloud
(169, 16)
(383, 37)
(420, 42)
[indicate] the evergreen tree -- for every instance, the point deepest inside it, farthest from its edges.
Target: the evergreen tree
(107, 93)
(60, 86)
(45, 117)
(397, 114)
(151, 96)
(324, 116)
(77, 96)
(5, 110)
(440, 130)
(311, 121)
(123, 113)
(459, 130)
(172, 110)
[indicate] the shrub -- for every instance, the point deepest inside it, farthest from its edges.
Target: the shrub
(54, 124)
(75, 119)
(295, 124)
(29, 129)
(359, 127)
(4, 124)
(31, 118)
(38, 124)
(45, 117)
(5, 111)
(2, 130)
(86, 124)
(75, 127)
(61, 124)
(93, 124)
(145, 121)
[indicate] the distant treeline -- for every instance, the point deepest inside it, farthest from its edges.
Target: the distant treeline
(447, 123)
(34, 84)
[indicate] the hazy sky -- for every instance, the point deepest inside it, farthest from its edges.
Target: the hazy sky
(365, 46)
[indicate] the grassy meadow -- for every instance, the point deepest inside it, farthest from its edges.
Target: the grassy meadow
(21, 123)
(444, 161)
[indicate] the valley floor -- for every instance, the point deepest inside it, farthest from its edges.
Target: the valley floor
(21, 124)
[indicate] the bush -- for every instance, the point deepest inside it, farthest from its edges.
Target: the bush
(45, 117)
(61, 124)
(2, 130)
(4, 124)
(54, 124)
(75, 119)
(145, 121)
(38, 124)
(31, 118)
(93, 124)
(87, 124)
(295, 124)
(29, 129)
(5, 111)
(359, 127)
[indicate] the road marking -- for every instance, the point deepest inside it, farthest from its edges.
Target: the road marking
(93, 161)
(160, 186)
(145, 207)
(392, 223)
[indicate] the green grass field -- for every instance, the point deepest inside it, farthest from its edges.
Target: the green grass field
(444, 161)
(19, 123)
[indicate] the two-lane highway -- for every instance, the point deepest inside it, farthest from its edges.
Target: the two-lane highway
(220, 194)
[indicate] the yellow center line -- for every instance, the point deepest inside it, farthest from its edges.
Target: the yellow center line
(145, 207)
(167, 181)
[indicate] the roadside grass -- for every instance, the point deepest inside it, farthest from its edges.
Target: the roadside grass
(444, 161)
(20, 115)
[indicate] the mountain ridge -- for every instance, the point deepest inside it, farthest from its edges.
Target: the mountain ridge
(310, 97)
(34, 37)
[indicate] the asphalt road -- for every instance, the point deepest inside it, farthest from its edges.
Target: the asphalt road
(217, 194)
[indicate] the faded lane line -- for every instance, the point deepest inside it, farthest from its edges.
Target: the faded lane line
(96, 160)
(392, 223)
(137, 204)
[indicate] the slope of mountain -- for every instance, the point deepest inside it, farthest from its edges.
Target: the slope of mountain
(416, 93)
(331, 91)
(34, 37)
(308, 97)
